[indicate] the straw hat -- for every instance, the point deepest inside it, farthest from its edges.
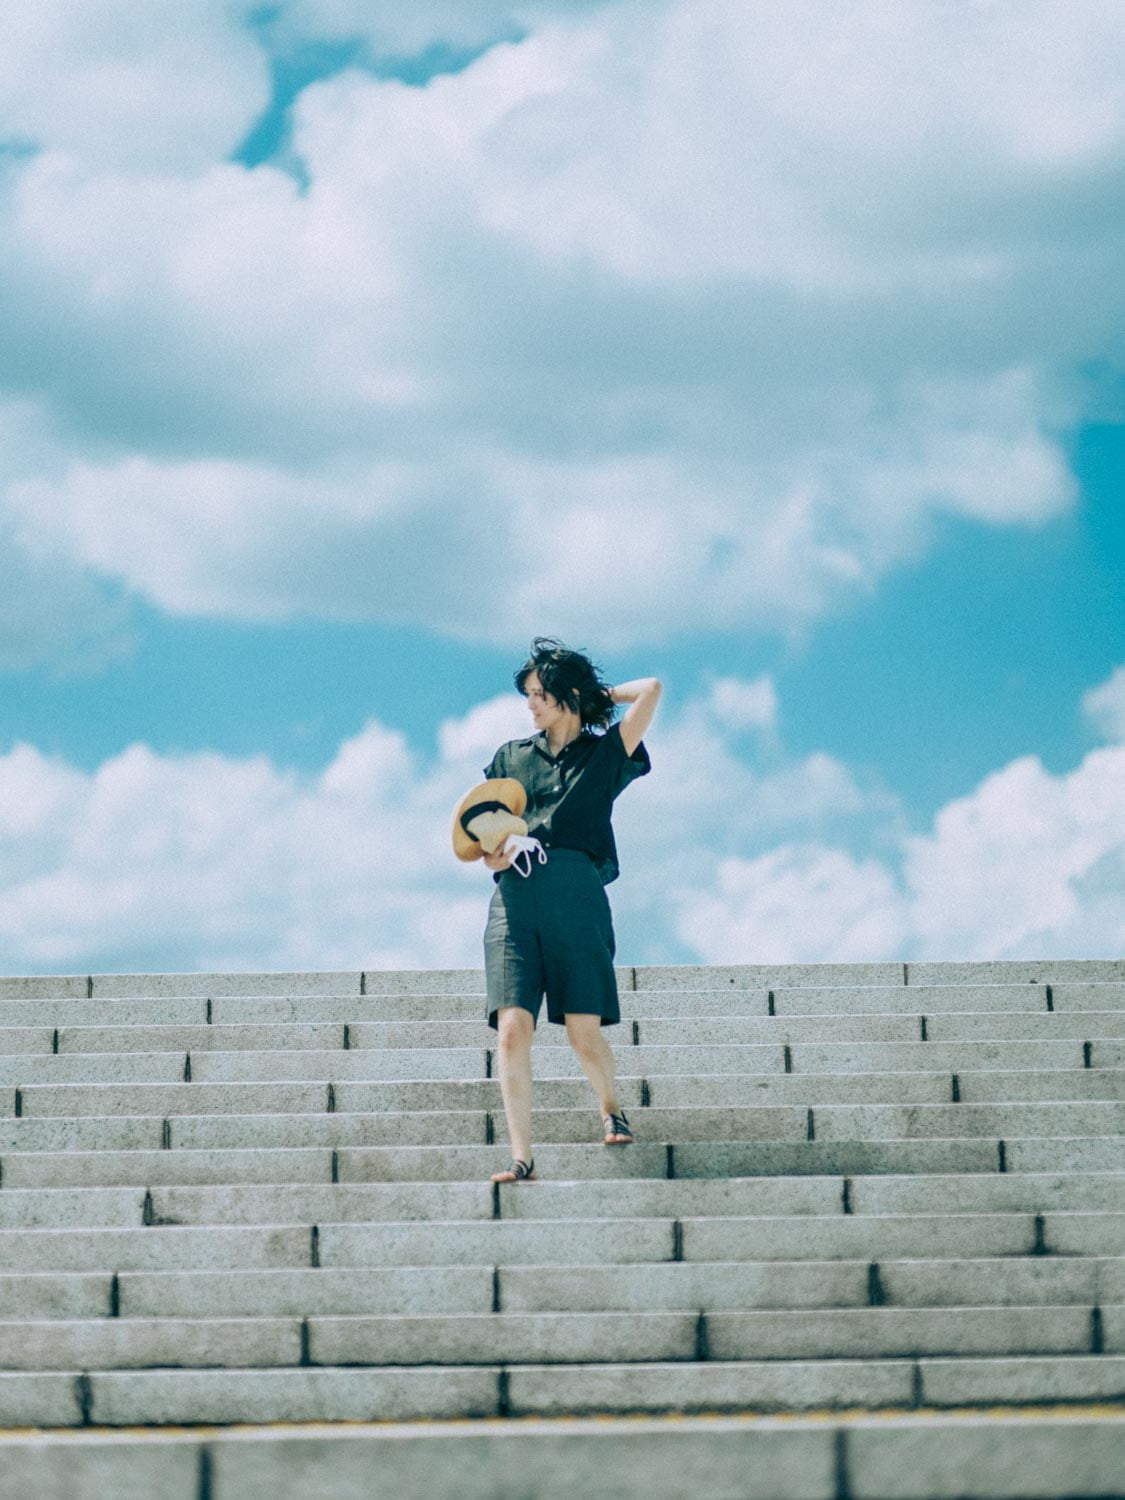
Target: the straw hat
(485, 817)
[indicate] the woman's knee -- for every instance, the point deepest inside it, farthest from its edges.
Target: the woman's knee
(515, 1029)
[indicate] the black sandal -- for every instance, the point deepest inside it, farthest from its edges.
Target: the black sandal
(518, 1171)
(616, 1125)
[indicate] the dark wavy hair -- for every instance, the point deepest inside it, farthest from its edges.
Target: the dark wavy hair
(572, 680)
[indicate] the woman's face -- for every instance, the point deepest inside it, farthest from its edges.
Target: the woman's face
(545, 710)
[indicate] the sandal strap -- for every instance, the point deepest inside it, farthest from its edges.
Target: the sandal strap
(617, 1125)
(522, 1169)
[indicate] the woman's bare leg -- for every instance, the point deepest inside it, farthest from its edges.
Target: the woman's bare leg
(515, 1032)
(585, 1036)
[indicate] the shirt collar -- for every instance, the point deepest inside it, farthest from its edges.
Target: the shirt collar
(538, 741)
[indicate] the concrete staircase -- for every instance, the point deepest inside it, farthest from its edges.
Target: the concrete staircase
(869, 1206)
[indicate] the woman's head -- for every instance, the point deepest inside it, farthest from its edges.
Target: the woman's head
(570, 679)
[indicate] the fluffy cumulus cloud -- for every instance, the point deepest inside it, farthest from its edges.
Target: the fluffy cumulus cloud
(731, 854)
(721, 305)
(207, 861)
(55, 613)
(210, 861)
(127, 85)
(800, 903)
(1029, 864)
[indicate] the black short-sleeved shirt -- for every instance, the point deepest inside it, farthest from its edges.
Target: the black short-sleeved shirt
(570, 797)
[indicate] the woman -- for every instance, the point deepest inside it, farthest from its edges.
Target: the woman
(550, 932)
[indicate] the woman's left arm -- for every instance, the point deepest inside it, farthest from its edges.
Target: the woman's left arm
(642, 696)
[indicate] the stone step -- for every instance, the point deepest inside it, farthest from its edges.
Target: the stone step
(1077, 1154)
(830, 1001)
(209, 1132)
(876, 1121)
(717, 1030)
(726, 1458)
(937, 999)
(156, 1249)
(808, 1385)
(332, 1394)
(293, 1097)
(311, 1036)
(1082, 1024)
(87, 1169)
(953, 1026)
(1010, 972)
(1004, 1085)
(797, 1237)
(1081, 996)
(842, 1122)
(677, 977)
(27, 1069)
(135, 1343)
(991, 1193)
(888, 1236)
(885, 1002)
(835, 1236)
(416, 1290)
(643, 1061)
(993, 1005)
(1016, 971)
(570, 1337)
(905, 1332)
(119, 986)
(356, 1125)
(131, 1398)
(423, 1290)
(997, 1085)
(1098, 1089)
(429, 1243)
(475, 1063)
(63, 1134)
(990, 1282)
(303, 1203)
(30, 1168)
(94, 1207)
(711, 1159)
(47, 1014)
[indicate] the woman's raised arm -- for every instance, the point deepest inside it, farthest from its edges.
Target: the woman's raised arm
(642, 696)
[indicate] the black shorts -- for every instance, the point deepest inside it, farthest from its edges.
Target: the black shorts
(552, 934)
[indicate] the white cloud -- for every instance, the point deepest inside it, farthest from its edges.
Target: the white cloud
(54, 614)
(206, 860)
(1104, 706)
(210, 861)
(482, 729)
(126, 84)
(718, 305)
(1003, 870)
(412, 541)
(797, 904)
(745, 705)
(1028, 865)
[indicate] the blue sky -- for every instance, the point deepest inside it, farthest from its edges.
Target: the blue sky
(349, 348)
